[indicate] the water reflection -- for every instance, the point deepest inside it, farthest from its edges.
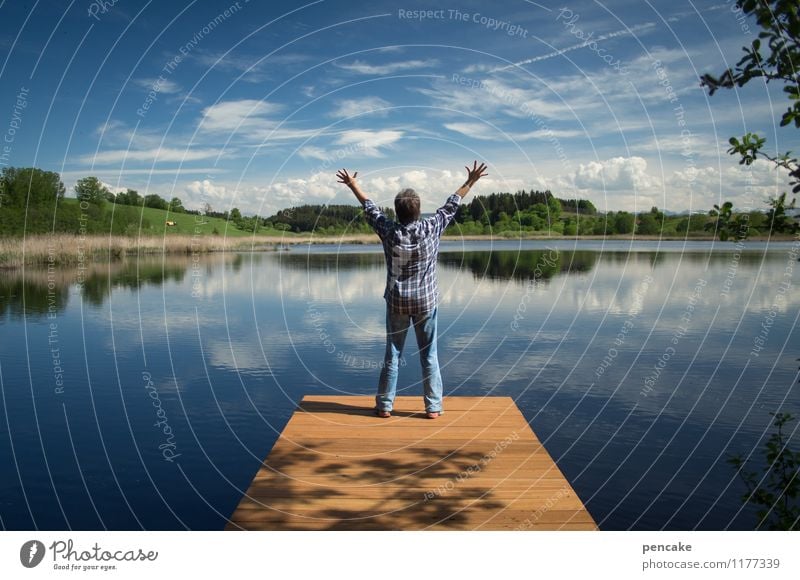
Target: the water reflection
(535, 264)
(41, 290)
(306, 260)
(37, 291)
(233, 342)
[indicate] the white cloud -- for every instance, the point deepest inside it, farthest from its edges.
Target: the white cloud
(615, 174)
(265, 200)
(364, 68)
(368, 142)
(695, 143)
(490, 98)
(370, 138)
(746, 187)
(624, 183)
(206, 189)
(228, 116)
(433, 186)
(487, 133)
(311, 152)
(159, 85)
(110, 174)
(353, 107)
(476, 131)
(249, 121)
(113, 188)
(155, 155)
(118, 133)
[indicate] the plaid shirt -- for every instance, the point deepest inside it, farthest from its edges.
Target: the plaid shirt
(411, 251)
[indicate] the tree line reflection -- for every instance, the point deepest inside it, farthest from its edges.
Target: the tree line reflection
(37, 291)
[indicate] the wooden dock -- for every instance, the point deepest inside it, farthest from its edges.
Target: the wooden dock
(479, 466)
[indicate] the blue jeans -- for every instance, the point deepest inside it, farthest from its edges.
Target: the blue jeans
(396, 330)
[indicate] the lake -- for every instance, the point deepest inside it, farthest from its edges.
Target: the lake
(145, 393)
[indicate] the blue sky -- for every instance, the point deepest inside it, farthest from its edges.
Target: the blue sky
(256, 104)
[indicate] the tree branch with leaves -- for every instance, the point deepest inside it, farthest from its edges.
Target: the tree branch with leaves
(774, 57)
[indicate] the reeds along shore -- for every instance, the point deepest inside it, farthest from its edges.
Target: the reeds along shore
(67, 249)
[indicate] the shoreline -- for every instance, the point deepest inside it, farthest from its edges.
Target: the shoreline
(66, 249)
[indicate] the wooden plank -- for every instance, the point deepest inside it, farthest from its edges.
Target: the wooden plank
(478, 466)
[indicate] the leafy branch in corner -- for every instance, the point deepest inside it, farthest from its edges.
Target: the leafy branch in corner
(780, 24)
(776, 490)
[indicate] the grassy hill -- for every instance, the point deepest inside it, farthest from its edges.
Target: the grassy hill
(154, 223)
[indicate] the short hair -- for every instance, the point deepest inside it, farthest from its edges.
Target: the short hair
(406, 206)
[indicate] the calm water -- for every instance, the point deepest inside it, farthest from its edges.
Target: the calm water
(147, 396)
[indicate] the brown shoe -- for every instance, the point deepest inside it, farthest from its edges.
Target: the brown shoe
(432, 414)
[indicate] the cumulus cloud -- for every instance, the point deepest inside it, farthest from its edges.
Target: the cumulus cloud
(252, 198)
(433, 186)
(747, 188)
(612, 184)
(615, 174)
(207, 189)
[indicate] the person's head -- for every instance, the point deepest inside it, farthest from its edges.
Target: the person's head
(406, 206)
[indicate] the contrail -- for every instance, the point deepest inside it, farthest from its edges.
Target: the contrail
(561, 51)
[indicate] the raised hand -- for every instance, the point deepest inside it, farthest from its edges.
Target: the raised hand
(475, 173)
(346, 178)
(350, 181)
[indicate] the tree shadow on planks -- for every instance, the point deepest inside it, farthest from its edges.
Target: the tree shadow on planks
(309, 487)
(343, 409)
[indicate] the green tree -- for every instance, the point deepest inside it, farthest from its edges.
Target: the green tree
(648, 225)
(30, 186)
(555, 208)
(721, 225)
(623, 222)
(695, 222)
(91, 189)
(780, 24)
(586, 225)
(757, 220)
(129, 197)
(657, 213)
(603, 225)
(155, 201)
(741, 226)
(777, 220)
(540, 210)
(587, 207)
(235, 215)
(176, 205)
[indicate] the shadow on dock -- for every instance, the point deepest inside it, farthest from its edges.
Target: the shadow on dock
(337, 466)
